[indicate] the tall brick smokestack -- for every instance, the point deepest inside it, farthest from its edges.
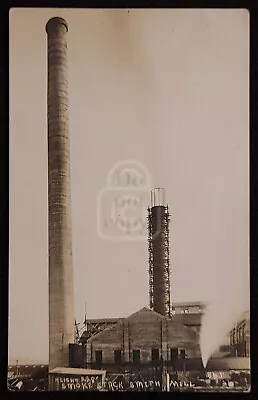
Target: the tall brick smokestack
(61, 291)
(159, 268)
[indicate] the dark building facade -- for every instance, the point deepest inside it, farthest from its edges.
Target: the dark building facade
(144, 340)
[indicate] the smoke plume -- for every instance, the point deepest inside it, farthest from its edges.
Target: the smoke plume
(220, 317)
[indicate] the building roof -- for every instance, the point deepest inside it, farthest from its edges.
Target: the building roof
(189, 304)
(145, 310)
(103, 320)
(77, 371)
(175, 304)
(142, 313)
(184, 319)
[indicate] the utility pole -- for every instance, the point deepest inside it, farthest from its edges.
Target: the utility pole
(85, 317)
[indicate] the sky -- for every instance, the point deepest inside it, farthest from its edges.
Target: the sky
(166, 88)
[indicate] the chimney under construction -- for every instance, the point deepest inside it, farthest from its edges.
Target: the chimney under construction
(61, 295)
(159, 268)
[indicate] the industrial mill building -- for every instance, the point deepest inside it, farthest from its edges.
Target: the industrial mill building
(143, 338)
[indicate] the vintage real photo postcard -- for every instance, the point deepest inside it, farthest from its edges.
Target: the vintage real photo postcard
(129, 200)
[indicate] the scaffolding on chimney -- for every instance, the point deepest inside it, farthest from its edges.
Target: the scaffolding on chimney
(159, 263)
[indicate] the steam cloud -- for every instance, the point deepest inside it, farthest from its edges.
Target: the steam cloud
(219, 318)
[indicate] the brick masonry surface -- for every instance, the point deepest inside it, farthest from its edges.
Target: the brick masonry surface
(61, 308)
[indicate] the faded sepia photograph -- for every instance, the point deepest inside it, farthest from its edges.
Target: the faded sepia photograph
(129, 200)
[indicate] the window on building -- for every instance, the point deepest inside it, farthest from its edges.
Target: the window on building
(182, 353)
(173, 354)
(118, 356)
(186, 310)
(98, 357)
(136, 356)
(155, 355)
